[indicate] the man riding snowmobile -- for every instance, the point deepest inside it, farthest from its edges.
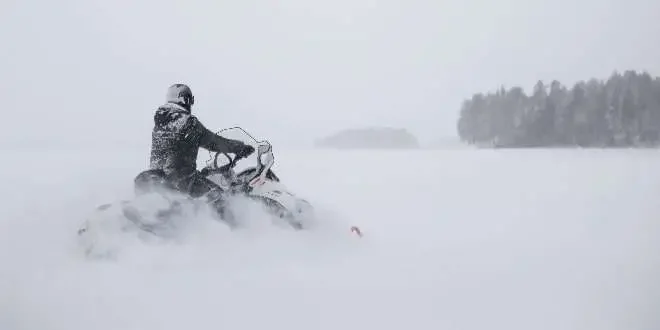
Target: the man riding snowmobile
(176, 138)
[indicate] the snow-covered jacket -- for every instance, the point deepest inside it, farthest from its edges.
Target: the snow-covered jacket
(176, 138)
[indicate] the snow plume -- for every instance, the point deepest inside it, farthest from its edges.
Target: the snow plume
(112, 236)
(206, 277)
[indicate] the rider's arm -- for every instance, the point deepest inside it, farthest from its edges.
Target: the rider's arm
(213, 142)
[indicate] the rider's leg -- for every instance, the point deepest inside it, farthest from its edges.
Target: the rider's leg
(198, 186)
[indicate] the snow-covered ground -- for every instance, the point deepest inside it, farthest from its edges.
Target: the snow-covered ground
(454, 239)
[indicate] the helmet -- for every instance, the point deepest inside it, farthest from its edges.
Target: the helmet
(180, 94)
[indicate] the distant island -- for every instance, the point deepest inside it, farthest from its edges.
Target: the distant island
(621, 111)
(369, 138)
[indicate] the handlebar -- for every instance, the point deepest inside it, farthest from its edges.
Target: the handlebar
(213, 168)
(262, 148)
(228, 166)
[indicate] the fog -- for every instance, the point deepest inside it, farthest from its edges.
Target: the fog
(90, 72)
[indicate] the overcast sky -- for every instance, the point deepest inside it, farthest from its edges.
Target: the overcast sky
(92, 71)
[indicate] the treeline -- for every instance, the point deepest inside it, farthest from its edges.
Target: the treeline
(621, 111)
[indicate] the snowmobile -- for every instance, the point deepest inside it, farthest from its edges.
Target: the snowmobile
(157, 205)
(258, 182)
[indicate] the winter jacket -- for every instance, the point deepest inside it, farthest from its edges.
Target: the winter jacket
(176, 138)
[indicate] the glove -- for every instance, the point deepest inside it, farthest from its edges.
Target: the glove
(244, 150)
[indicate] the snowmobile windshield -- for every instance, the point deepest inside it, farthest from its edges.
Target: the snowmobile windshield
(237, 133)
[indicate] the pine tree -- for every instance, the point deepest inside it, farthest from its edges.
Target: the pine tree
(623, 110)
